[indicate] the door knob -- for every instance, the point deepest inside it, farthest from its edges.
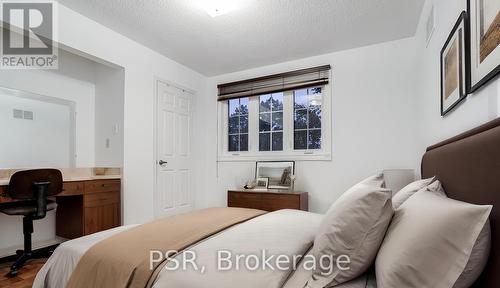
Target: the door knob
(161, 162)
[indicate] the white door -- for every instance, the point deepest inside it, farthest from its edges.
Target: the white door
(173, 154)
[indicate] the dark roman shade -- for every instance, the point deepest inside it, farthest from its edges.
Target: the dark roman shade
(298, 79)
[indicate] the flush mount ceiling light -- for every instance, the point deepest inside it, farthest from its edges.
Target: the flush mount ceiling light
(216, 8)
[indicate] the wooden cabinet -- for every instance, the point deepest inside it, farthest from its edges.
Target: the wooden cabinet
(102, 212)
(268, 200)
(87, 207)
(72, 188)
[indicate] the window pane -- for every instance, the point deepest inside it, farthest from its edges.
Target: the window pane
(314, 139)
(264, 141)
(265, 122)
(315, 117)
(307, 118)
(238, 124)
(300, 140)
(277, 121)
(233, 125)
(243, 142)
(233, 143)
(243, 109)
(315, 100)
(277, 141)
(244, 124)
(300, 99)
(265, 103)
(300, 121)
(277, 101)
(233, 107)
(316, 90)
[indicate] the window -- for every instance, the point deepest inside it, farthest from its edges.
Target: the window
(284, 116)
(238, 124)
(271, 122)
(289, 125)
(307, 119)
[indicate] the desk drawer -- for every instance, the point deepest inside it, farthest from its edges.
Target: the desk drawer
(101, 199)
(99, 186)
(244, 200)
(273, 202)
(72, 188)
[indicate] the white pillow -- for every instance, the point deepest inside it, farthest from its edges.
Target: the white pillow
(430, 241)
(480, 252)
(353, 226)
(408, 191)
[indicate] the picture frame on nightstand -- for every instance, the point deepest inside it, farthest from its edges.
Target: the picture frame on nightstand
(280, 173)
(262, 183)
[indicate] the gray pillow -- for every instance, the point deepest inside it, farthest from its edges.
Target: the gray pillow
(402, 195)
(480, 252)
(477, 259)
(427, 220)
(353, 226)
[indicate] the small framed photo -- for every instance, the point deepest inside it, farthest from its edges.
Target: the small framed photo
(484, 21)
(453, 67)
(262, 183)
(279, 173)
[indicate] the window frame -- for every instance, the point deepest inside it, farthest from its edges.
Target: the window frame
(288, 153)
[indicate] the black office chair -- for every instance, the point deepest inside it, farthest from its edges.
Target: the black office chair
(31, 188)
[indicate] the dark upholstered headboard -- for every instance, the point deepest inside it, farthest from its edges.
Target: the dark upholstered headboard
(468, 165)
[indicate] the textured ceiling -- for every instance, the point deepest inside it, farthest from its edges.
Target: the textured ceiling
(260, 33)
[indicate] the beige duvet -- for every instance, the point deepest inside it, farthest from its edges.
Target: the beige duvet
(123, 260)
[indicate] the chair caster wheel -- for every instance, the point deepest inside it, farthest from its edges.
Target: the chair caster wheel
(12, 273)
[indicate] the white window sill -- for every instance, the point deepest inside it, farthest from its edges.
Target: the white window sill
(246, 157)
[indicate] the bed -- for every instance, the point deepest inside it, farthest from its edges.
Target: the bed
(467, 165)
(295, 237)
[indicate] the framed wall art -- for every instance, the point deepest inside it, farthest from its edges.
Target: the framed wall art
(454, 66)
(484, 21)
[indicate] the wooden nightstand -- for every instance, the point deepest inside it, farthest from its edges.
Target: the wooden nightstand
(268, 200)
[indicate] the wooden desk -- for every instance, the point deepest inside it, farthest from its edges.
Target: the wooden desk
(268, 200)
(84, 207)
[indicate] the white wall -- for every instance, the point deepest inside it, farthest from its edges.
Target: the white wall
(74, 81)
(478, 108)
(374, 119)
(141, 65)
(82, 35)
(109, 84)
(97, 91)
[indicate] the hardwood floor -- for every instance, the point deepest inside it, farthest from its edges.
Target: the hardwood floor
(24, 278)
